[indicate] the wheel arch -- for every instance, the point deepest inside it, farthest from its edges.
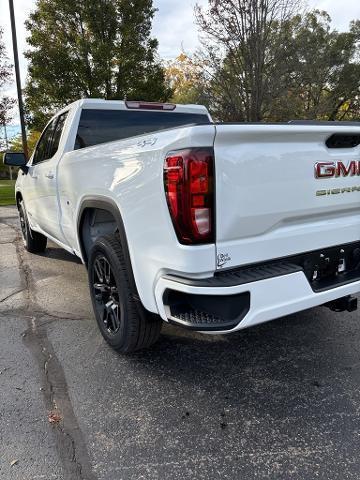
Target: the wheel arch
(92, 205)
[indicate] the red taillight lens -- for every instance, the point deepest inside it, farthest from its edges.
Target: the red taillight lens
(189, 188)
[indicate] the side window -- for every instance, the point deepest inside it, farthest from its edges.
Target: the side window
(43, 145)
(57, 134)
(49, 140)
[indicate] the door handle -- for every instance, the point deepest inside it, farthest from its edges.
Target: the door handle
(49, 175)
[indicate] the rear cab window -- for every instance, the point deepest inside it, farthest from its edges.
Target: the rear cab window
(99, 126)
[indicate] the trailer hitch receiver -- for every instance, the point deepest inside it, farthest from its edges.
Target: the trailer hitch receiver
(343, 304)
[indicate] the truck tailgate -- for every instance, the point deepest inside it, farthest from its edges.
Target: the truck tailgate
(269, 202)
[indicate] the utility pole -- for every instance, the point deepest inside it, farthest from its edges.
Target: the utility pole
(18, 80)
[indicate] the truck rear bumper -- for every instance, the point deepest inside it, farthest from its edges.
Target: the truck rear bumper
(245, 304)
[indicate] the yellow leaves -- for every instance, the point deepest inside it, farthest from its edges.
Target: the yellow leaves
(32, 138)
(182, 57)
(345, 106)
(183, 73)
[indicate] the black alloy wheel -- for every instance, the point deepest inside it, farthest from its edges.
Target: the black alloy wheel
(24, 230)
(123, 321)
(106, 295)
(34, 242)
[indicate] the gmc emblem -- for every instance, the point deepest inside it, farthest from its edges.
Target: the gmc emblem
(337, 169)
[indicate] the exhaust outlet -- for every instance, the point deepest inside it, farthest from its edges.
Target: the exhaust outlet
(343, 304)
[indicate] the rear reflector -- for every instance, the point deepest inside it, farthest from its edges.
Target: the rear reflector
(132, 105)
(189, 188)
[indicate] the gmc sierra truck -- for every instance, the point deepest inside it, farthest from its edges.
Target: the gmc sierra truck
(212, 227)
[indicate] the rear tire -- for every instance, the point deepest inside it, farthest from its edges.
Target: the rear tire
(122, 320)
(34, 242)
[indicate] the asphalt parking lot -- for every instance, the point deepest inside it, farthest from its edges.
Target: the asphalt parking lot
(279, 401)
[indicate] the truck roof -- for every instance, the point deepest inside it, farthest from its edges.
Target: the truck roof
(99, 103)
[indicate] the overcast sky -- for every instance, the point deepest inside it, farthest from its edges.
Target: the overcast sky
(173, 24)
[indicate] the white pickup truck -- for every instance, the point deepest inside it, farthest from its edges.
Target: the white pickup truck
(213, 227)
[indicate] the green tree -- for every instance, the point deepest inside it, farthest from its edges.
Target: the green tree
(240, 50)
(322, 80)
(293, 66)
(91, 49)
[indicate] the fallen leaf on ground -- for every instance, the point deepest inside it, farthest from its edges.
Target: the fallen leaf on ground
(54, 417)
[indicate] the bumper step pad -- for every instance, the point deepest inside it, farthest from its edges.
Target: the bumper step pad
(324, 269)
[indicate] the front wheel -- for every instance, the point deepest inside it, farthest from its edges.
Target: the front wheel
(122, 320)
(34, 242)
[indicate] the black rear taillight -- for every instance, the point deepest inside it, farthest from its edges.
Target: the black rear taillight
(189, 188)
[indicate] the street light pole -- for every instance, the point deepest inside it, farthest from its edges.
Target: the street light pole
(18, 80)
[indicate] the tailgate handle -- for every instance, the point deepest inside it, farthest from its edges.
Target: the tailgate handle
(343, 140)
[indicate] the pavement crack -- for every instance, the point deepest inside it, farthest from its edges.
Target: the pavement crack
(23, 267)
(30, 288)
(53, 316)
(70, 442)
(11, 295)
(69, 439)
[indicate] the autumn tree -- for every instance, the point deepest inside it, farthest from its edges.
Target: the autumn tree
(6, 102)
(186, 79)
(32, 138)
(91, 49)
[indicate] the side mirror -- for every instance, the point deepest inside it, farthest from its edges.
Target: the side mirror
(16, 159)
